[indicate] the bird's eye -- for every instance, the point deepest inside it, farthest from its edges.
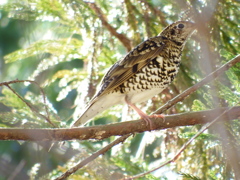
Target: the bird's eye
(181, 26)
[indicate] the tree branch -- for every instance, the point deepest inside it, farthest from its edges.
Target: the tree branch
(156, 11)
(47, 118)
(92, 157)
(121, 37)
(195, 87)
(176, 156)
(123, 128)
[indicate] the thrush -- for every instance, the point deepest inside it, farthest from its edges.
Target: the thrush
(144, 72)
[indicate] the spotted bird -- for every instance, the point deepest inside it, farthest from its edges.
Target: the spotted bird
(144, 72)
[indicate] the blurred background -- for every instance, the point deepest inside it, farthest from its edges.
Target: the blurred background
(66, 46)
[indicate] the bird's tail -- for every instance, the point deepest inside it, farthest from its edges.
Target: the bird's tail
(96, 106)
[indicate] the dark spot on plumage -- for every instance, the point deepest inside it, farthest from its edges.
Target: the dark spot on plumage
(148, 74)
(134, 80)
(122, 89)
(153, 80)
(172, 32)
(147, 45)
(135, 68)
(150, 66)
(155, 63)
(161, 74)
(171, 71)
(177, 63)
(167, 64)
(154, 73)
(177, 43)
(172, 77)
(165, 82)
(175, 58)
(164, 38)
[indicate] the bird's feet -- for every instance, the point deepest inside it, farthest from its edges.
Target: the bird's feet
(158, 116)
(144, 116)
(147, 119)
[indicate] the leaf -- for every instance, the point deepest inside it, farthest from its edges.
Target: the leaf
(11, 100)
(226, 54)
(187, 176)
(58, 48)
(198, 105)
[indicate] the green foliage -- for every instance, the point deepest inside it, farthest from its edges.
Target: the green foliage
(53, 47)
(198, 105)
(186, 176)
(66, 48)
(22, 115)
(11, 100)
(228, 91)
(203, 136)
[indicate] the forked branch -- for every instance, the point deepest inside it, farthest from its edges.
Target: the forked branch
(47, 118)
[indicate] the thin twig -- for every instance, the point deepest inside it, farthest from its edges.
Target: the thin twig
(182, 148)
(121, 37)
(156, 11)
(195, 87)
(182, 96)
(47, 118)
(92, 157)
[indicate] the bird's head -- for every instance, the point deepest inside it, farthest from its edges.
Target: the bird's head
(179, 31)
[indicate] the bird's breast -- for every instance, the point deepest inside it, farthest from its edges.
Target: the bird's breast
(150, 80)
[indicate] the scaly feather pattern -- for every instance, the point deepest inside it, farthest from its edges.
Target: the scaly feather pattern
(144, 72)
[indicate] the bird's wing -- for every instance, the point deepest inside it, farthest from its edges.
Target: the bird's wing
(121, 71)
(124, 69)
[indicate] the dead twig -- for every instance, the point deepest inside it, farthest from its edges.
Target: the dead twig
(121, 37)
(47, 118)
(92, 157)
(175, 157)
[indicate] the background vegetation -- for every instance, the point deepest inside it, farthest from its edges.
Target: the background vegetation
(66, 46)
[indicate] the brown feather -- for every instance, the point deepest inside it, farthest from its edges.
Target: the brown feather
(122, 70)
(143, 72)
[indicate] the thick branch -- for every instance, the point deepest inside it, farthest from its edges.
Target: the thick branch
(176, 156)
(105, 131)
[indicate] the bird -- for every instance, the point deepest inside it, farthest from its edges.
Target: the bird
(143, 73)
